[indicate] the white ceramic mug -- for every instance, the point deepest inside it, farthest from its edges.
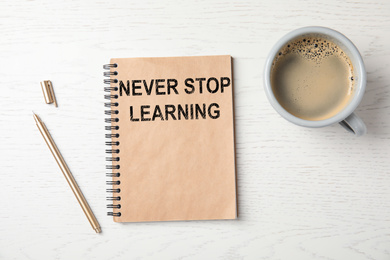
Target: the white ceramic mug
(346, 117)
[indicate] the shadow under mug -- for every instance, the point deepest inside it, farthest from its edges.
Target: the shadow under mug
(346, 117)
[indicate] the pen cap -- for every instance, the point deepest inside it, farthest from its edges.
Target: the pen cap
(48, 92)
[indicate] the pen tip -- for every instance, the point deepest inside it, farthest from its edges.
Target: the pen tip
(36, 117)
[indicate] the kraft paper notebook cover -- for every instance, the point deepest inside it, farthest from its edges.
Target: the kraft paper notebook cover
(171, 125)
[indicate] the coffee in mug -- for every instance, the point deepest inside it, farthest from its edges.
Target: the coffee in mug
(312, 78)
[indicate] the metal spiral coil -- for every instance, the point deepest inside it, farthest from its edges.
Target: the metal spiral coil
(115, 104)
(112, 167)
(108, 81)
(112, 213)
(114, 206)
(114, 190)
(112, 143)
(111, 112)
(109, 120)
(113, 174)
(112, 150)
(110, 73)
(113, 182)
(110, 127)
(113, 160)
(109, 66)
(112, 135)
(108, 89)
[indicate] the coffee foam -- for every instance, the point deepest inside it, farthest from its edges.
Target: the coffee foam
(313, 48)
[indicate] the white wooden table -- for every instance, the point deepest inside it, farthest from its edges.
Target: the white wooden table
(302, 193)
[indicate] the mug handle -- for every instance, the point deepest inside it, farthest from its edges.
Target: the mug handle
(354, 124)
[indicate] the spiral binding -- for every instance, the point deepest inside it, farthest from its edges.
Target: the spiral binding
(114, 158)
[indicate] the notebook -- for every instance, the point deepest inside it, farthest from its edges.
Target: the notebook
(170, 125)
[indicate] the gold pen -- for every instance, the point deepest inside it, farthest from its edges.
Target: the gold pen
(68, 175)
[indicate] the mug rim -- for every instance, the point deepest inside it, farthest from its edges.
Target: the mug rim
(357, 62)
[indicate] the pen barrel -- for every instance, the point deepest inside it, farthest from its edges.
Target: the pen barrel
(68, 176)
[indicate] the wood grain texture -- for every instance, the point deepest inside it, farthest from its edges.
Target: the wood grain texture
(303, 193)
